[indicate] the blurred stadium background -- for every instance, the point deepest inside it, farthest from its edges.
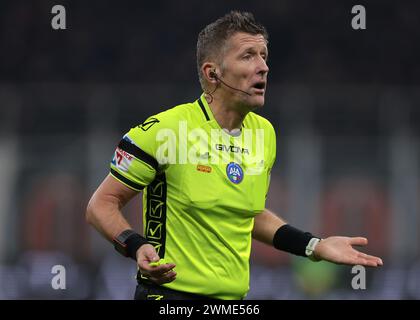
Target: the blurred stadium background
(345, 104)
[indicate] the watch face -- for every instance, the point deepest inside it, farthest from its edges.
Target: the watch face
(311, 246)
(119, 242)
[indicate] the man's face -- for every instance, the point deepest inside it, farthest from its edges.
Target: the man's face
(244, 66)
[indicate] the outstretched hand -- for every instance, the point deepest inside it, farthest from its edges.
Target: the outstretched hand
(159, 274)
(340, 250)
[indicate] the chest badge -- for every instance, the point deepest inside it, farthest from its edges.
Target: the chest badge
(234, 172)
(202, 168)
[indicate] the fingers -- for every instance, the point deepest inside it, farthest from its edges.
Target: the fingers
(366, 263)
(150, 253)
(372, 260)
(358, 241)
(359, 261)
(363, 259)
(154, 270)
(159, 274)
(165, 278)
(158, 270)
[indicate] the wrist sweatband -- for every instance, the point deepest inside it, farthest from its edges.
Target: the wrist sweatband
(128, 242)
(292, 240)
(134, 242)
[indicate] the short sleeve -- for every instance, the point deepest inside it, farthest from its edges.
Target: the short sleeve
(272, 149)
(134, 162)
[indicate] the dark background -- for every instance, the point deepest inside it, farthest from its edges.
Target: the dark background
(344, 102)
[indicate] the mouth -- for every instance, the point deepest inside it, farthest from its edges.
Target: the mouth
(259, 87)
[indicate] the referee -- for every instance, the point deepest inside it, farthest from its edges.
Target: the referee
(204, 169)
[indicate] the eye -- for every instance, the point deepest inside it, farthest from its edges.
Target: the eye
(247, 56)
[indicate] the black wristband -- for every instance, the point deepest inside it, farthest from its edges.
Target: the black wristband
(128, 242)
(292, 240)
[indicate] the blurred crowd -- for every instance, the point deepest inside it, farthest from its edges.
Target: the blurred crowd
(344, 104)
(154, 41)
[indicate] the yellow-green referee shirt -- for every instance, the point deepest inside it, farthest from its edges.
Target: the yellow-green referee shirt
(203, 186)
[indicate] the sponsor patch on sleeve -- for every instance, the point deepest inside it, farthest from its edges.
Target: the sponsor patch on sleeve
(122, 160)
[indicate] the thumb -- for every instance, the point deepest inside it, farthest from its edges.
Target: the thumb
(151, 254)
(358, 241)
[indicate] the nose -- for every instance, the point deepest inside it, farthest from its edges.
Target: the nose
(262, 67)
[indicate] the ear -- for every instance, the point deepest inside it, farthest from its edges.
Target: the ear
(208, 69)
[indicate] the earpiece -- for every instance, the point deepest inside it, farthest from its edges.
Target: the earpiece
(213, 74)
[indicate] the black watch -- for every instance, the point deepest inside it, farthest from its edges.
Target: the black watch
(128, 242)
(120, 242)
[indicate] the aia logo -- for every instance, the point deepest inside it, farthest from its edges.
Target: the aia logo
(234, 172)
(148, 124)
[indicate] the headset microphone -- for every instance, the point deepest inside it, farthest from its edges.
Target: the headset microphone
(214, 75)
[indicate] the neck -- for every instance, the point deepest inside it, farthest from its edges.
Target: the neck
(228, 115)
